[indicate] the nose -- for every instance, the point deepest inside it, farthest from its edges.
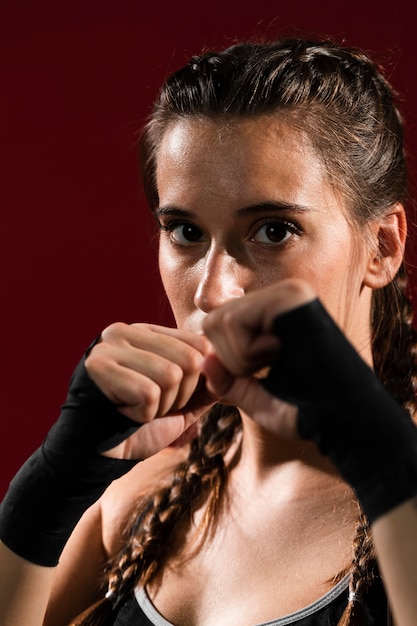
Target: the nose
(222, 278)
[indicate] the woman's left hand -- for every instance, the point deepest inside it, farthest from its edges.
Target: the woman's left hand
(241, 333)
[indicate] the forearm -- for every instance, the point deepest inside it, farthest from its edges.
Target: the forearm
(48, 496)
(71, 470)
(395, 539)
(370, 439)
(351, 417)
(24, 590)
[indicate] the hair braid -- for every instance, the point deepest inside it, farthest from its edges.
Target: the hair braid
(395, 362)
(395, 341)
(344, 104)
(204, 473)
(362, 573)
(153, 521)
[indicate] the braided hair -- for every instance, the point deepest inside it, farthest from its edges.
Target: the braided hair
(341, 100)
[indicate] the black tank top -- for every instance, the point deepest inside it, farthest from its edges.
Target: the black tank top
(138, 610)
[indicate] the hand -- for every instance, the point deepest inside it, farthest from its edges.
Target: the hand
(153, 375)
(241, 333)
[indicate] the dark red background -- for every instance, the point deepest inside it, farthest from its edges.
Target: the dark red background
(77, 80)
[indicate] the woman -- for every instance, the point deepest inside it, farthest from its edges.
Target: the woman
(277, 176)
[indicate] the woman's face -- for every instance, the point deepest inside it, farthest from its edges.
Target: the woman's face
(246, 204)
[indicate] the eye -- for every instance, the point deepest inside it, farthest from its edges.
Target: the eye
(182, 233)
(274, 232)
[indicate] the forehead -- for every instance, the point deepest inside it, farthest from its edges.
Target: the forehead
(238, 157)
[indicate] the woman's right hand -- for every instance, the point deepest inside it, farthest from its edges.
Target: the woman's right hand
(153, 376)
(139, 389)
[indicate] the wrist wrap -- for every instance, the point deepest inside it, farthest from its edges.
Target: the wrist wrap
(66, 475)
(345, 409)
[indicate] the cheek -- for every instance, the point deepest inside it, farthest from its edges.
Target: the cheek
(178, 283)
(337, 277)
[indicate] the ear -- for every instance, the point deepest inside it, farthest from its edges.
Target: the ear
(389, 234)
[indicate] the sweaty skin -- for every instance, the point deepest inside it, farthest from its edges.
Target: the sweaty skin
(243, 206)
(246, 204)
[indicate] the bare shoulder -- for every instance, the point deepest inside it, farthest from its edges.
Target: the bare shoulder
(121, 496)
(77, 581)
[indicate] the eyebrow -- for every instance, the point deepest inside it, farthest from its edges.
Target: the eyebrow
(172, 210)
(252, 209)
(276, 205)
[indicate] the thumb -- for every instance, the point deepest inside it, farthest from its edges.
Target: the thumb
(218, 378)
(249, 395)
(242, 391)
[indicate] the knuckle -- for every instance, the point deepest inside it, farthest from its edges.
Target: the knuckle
(229, 318)
(192, 360)
(98, 360)
(172, 375)
(114, 331)
(145, 400)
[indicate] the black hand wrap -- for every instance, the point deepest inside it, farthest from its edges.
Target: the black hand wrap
(344, 409)
(65, 475)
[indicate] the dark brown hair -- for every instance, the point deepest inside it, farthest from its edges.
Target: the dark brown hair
(341, 100)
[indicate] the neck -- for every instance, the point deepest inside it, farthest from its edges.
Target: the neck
(295, 464)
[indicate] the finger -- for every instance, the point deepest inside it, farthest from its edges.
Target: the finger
(178, 374)
(200, 401)
(170, 343)
(239, 337)
(147, 336)
(246, 358)
(174, 366)
(271, 413)
(218, 377)
(151, 438)
(149, 384)
(160, 433)
(126, 387)
(177, 381)
(237, 327)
